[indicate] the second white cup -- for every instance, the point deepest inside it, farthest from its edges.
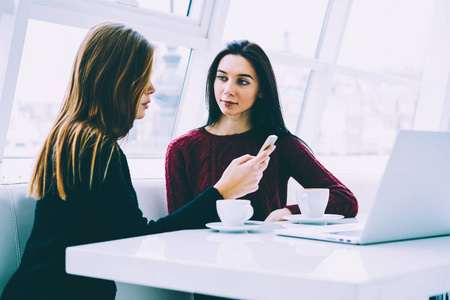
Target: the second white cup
(234, 212)
(313, 202)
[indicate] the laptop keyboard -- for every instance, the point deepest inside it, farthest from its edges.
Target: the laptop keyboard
(348, 232)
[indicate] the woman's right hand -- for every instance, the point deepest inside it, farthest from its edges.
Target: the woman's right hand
(243, 174)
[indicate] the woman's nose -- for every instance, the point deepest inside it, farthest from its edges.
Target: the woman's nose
(229, 89)
(152, 88)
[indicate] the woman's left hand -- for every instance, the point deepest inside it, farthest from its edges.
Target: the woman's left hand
(277, 215)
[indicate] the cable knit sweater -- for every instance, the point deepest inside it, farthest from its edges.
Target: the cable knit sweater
(198, 159)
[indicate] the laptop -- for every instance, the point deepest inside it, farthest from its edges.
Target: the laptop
(413, 199)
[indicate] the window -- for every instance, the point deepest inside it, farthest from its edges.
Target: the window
(375, 90)
(183, 8)
(47, 60)
(387, 36)
(289, 29)
(151, 135)
(363, 117)
(283, 26)
(291, 83)
(379, 69)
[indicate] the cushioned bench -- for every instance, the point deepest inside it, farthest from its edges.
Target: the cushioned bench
(16, 221)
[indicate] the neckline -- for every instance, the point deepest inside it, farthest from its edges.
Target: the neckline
(227, 136)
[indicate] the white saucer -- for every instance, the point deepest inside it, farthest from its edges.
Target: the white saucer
(299, 218)
(249, 225)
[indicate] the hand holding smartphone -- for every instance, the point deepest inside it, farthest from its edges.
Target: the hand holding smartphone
(271, 139)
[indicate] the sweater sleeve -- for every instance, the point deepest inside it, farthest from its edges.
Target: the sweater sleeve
(310, 173)
(177, 188)
(115, 208)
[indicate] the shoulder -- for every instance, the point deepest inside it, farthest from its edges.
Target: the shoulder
(99, 151)
(292, 145)
(100, 146)
(92, 155)
(186, 140)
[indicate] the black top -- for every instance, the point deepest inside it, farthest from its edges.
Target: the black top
(107, 210)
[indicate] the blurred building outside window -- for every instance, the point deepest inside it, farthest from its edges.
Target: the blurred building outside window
(363, 117)
(47, 60)
(285, 26)
(291, 29)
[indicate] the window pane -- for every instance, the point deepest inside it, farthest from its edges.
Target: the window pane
(387, 36)
(47, 60)
(184, 8)
(283, 26)
(151, 135)
(292, 84)
(363, 117)
(189, 8)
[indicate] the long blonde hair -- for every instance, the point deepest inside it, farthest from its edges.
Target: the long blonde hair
(111, 72)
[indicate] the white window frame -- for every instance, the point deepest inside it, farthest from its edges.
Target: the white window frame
(165, 28)
(204, 38)
(433, 107)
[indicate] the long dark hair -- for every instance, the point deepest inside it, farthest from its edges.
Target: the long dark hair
(266, 114)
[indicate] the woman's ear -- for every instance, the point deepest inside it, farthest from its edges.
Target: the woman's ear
(260, 95)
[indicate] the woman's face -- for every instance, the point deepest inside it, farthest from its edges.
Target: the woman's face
(145, 101)
(236, 86)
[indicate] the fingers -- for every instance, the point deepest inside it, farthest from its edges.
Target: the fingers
(242, 159)
(265, 154)
(262, 158)
(269, 218)
(277, 215)
(262, 166)
(243, 174)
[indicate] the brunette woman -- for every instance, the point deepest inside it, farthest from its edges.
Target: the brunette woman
(244, 109)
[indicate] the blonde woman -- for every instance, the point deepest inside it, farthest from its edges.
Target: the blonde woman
(81, 178)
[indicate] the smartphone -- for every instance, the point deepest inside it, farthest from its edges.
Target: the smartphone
(271, 139)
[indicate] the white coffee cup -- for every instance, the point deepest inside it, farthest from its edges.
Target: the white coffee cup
(312, 202)
(234, 212)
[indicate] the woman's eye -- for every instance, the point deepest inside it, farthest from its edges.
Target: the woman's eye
(221, 78)
(243, 82)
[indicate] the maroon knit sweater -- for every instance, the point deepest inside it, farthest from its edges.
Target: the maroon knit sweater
(196, 161)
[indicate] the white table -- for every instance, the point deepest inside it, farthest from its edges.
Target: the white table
(261, 265)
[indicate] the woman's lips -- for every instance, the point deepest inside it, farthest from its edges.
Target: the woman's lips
(228, 103)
